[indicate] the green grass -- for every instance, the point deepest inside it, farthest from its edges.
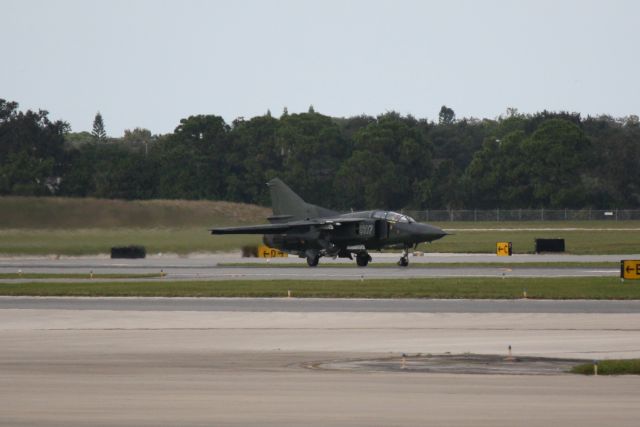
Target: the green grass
(610, 367)
(587, 241)
(68, 226)
(100, 241)
(472, 288)
(471, 225)
(77, 276)
(87, 213)
(188, 240)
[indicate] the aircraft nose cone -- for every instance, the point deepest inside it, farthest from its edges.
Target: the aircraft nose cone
(430, 233)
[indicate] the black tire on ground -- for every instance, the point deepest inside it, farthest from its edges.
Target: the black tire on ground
(128, 252)
(312, 261)
(404, 262)
(362, 260)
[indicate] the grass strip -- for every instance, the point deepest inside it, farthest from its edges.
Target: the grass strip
(16, 242)
(608, 238)
(601, 288)
(77, 276)
(610, 367)
(560, 264)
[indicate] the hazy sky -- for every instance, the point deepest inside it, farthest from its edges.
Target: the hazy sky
(151, 63)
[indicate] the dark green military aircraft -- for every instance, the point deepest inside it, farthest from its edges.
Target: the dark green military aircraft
(311, 231)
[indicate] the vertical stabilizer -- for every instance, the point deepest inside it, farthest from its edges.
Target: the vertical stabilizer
(289, 206)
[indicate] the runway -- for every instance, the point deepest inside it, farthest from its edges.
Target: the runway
(111, 365)
(288, 361)
(320, 305)
(216, 267)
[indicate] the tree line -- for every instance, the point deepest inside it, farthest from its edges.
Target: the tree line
(547, 159)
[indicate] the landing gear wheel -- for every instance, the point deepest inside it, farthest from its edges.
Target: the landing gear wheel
(363, 259)
(404, 260)
(312, 260)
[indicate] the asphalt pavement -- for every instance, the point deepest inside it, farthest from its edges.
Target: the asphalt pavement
(321, 305)
(216, 267)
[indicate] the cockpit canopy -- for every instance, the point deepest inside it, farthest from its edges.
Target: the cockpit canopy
(392, 216)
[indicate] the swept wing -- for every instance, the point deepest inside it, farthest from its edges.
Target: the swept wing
(283, 228)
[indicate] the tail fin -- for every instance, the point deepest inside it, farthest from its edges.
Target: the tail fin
(288, 206)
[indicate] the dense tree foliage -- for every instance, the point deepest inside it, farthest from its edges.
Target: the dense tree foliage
(31, 151)
(548, 159)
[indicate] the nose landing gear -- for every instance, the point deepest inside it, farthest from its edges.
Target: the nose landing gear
(404, 259)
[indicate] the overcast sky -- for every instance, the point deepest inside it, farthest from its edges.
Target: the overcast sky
(150, 63)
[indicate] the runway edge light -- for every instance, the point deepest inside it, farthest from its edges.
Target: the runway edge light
(630, 269)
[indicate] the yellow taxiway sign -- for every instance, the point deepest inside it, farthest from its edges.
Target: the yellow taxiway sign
(267, 252)
(630, 269)
(503, 249)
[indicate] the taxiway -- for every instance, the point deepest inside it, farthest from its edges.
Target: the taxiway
(217, 267)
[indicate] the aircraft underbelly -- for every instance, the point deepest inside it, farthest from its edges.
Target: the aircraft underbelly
(291, 242)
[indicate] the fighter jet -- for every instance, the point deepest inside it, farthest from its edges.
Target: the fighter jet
(311, 231)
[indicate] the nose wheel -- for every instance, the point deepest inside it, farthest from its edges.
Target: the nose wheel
(404, 259)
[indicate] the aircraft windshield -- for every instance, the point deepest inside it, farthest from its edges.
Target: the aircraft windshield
(393, 216)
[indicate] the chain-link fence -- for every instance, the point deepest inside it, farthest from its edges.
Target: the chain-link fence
(435, 215)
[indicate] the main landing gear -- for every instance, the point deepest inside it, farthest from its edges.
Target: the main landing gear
(362, 259)
(313, 259)
(404, 259)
